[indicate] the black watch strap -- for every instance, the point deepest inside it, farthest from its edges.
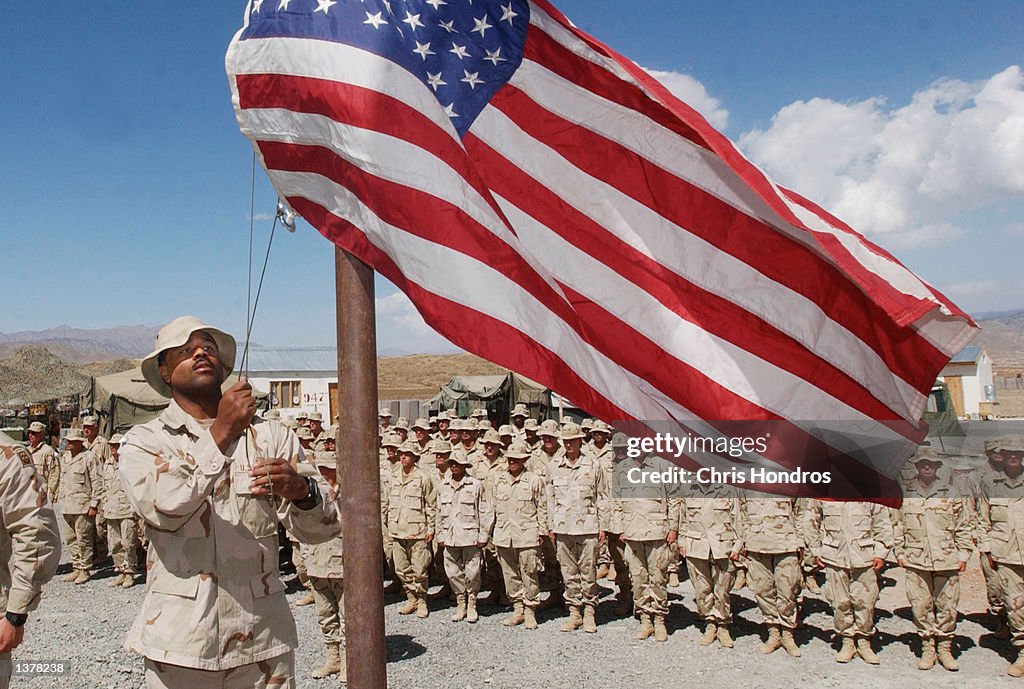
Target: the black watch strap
(312, 498)
(17, 619)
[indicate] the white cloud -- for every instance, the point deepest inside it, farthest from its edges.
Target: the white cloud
(904, 173)
(400, 326)
(692, 92)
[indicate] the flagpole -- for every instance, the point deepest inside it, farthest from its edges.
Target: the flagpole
(359, 474)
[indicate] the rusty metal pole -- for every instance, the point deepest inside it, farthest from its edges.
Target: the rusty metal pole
(359, 474)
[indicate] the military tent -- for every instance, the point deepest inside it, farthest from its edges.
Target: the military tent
(497, 394)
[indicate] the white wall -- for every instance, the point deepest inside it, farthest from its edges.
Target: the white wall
(315, 396)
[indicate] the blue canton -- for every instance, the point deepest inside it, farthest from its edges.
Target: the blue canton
(462, 50)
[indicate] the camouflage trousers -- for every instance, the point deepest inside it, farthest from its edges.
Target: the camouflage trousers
(299, 560)
(1012, 577)
(519, 567)
(577, 559)
(648, 566)
(993, 587)
(412, 560)
(80, 532)
(852, 594)
(329, 596)
(274, 673)
(933, 598)
(491, 570)
(551, 573)
(617, 553)
(775, 579)
(462, 564)
(712, 581)
(122, 539)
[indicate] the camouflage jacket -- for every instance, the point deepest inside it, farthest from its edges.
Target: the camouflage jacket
(849, 534)
(115, 500)
(214, 599)
(465, 513)
(933, 531)
(774, 524)
(30, 537)
(520, 509)
(323, 560)
(709, 521)
(411, 505)
(540, 460)
(1001, 519)
(48, 468)
(80, 485)
(643, 511)
(577, 497)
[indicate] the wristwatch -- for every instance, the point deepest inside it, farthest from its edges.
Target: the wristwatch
(312, 498)
(17, 619)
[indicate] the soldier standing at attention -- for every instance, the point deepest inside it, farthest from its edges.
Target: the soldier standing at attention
(550, 448)
(305, 437)
(441, 451)
(122, 528)
(518, 422)
(100, 449)
(579, 516)
(934, 539)
(646, 516)
(212, 480)
(390, 467)
(611, 561)
(411, 514)
(421, 429)
(993, 468)
(464, 520)
(530, 429)
(385, 420)
(1001, 538)
(851, 541)
(79, 501)
(520, 524)
(44, 459)
(29, 546)
(775, 536)
(316, 430)
(327, 578)
(711, 540)
(443, 424)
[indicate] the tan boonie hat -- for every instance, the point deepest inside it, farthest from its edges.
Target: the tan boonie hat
(993, 444)
(478, 413)
(441, 446)
(519, 410)
(461, 458)
(315, 416)
(391, 440)
(36, 427)
(587, 424)
(402, 424)
(531, 425)
(483, 425)
(90, 421)
(303, 433)
(601, 427)
(175, 334)
(443, 416)
(518, 450)
(327, 460)
(116, 439)
(491, 436)
(75, 434)
(1013, 444)
(384, 411)
(571, 431)
(421, 424)
(273, 415)
(303, 414)
(549, 427)
(457, 425)
(620, 440)
(925, 454)
(411, 448)
(505, 430)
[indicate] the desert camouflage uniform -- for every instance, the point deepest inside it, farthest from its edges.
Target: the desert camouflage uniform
(122, 531)
(411, 514)
(463, 519)
(550, 574)
(327, 578)
(48, 469)
(709, 533)
(214, 600)
(80, 489)
(101, 454)
(1001, 534)
(847, 536)
(993, 581)
(612, 551)
(775, 534)
(29, 538)
(520, 522)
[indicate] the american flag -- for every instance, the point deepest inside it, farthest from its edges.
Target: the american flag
(548, 205)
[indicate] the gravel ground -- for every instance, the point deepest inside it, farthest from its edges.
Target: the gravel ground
(86, 624)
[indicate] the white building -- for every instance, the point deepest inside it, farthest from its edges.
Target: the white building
(968, 377)
(298, 379)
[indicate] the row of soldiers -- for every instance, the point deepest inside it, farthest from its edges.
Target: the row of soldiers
(555, 503)
(84, 484)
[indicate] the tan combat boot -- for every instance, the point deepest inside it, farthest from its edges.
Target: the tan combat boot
(724, 638)
(306, 600)
(865, 652)
(410, 604)
(116, 581)
(589, 622)
(660, 631)
(773, 642)
(847, 652)
(789, 643)
(70, 577)
(710, 633)
(471, 614)
(332, 665)
(741, 580)
(946, 658)
(529, 618)
(516, 618)
(128, 581)
(574, 621)
(927, 661)
(1016, 669)
(602, 571)
(422, 611)
(460, 608)
(646, 627)
(83, 576)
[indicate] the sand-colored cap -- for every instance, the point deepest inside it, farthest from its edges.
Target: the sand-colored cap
(411, 448)
(461, 458)
(116, 439)
(304, 433)
(175, 334)
(620, 440)
(327, 460)
(478, 413)
(504, 430)
(441, 446)
(402, 424)
(385, 412)
(993, 444)
(75, 434)
(925, 454)
(601, 427)
(519, 410)
(571, 431)
(457, 424)
(315, 416)
(303, 414)
(1014, 444)
(443, 416)
(483, 424)
(391, 440)
(518, 450)
(491, 436)
(549, 427)
(587, 424)
(273, 415)
(421, 424)
(36, 427)
(531, 425)
(90, 420)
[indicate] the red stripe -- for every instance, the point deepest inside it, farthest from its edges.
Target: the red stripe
(728, 229)
(472, 330)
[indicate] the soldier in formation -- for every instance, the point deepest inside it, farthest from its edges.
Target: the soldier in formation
(80, 490)
(327, 578)
(45, 459)
(411, 514)
(122, 527)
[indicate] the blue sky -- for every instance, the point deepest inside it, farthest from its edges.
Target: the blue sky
(125, 183)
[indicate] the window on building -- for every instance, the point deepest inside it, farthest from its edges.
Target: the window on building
(285, 394)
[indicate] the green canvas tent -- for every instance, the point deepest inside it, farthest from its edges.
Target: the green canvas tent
(496, 394)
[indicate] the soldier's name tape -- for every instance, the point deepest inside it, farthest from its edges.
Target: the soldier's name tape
(34, 668)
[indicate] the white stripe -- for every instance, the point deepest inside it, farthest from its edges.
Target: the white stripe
(662, 241)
